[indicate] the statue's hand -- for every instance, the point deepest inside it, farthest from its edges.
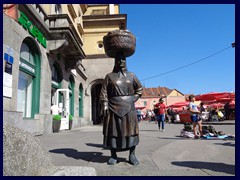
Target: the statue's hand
(105, 110)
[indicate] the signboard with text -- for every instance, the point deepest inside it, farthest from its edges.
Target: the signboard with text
(7, 74)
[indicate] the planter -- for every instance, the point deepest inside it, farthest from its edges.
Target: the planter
(56, 123)
(70, 122)
(56, 126)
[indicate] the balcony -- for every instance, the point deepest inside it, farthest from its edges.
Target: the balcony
(65, 40)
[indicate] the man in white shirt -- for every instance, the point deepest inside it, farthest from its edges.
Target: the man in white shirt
(54, 109)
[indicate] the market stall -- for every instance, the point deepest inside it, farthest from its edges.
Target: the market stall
(181, 113)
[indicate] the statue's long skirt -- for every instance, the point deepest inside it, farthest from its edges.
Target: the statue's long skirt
(121, 132)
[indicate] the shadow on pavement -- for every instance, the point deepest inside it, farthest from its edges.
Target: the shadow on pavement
(176, 137)
(226, 144)
(148, 130)
(218, 167)
(86, 156)
(95, 145)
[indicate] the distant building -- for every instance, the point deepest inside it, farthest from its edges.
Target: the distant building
(151, 96)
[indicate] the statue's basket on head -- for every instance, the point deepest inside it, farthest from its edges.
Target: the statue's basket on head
(119, 42)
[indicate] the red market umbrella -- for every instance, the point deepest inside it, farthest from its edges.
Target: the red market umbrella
(213, 96)
(179, 104)
(224, 100)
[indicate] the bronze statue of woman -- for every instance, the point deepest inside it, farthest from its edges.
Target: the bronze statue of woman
(121, 89)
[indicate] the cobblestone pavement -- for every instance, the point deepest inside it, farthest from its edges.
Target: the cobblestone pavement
(159, 153)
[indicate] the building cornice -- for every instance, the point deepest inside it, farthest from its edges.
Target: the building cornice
(37, 15)
(113, 19)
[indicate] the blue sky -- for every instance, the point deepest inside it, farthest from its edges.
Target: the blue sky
(171, 36)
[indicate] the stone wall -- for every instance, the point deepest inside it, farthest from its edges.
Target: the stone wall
(24, 155)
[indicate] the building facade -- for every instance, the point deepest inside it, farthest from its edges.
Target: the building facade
(151, 96)
(53, 54)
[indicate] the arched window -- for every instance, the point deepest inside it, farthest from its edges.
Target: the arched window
(71, 85)
(56, 82)
(80, 101)
(29, 79)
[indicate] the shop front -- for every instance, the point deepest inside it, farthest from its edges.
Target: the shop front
(41, 69)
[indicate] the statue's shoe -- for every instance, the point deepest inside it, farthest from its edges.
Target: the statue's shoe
(112, 161)
(133, 160)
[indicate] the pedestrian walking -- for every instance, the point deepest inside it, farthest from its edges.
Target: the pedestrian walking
(161, 114)
(139, 115)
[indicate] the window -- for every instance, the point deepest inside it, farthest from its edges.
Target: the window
(24, 94)
(26, 54)
(56, 9)
(80, 108)
(100, 45)
(29, 79)
(71, 94)
(99, 12)
(56, 75)
(145, 103)
(56, 82)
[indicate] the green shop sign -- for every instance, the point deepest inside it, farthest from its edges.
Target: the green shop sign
(23, 20)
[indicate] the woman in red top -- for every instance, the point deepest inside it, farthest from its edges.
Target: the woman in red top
(161, 113)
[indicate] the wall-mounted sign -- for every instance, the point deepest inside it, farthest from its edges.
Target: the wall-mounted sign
(7, 75)
(7, 80)
(8, 68)
(8, 58)
(7, 91)
(27, 67)
(7, 85)
(54, 83)
(23, 20)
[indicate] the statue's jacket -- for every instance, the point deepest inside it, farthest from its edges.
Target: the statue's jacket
(119, 91)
